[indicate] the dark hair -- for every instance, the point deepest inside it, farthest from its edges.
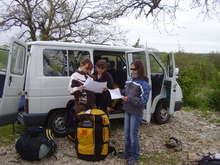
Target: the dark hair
(102, 64)
(87, 61)
(140, 68)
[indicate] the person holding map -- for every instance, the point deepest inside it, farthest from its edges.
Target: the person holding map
(103, 100)
(135, 96)
(84, 99)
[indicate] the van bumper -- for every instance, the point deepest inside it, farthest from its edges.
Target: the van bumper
(178, 105)
(32, 119)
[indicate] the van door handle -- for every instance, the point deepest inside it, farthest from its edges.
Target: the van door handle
(10, 81)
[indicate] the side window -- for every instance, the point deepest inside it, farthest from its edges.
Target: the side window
(58, 62)
(53, 60)
(141, 56)
(74, 59)
(3, 60)
(155, 66)
(18, 59)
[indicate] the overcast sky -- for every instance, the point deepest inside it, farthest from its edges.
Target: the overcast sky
(193, 35)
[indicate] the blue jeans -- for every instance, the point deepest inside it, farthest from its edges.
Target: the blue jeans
(131, 126)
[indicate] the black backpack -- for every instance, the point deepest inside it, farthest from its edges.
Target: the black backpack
(209, 160)
(35, 144)
(70, 119)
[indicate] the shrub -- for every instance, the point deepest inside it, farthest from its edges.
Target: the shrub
(214, 100)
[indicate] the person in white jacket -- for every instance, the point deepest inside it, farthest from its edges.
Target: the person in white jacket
(84, 99)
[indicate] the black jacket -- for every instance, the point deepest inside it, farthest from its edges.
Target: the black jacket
(103, 99)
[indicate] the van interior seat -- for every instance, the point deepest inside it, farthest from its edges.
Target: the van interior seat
(112, 71)
(122, 73)
(157, 80)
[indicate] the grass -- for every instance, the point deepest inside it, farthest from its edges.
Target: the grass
(7, 134)
(205, 114)
(157, 158)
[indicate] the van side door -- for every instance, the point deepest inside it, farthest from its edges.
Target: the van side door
(13, 82)
(170, 84)
(144, 57)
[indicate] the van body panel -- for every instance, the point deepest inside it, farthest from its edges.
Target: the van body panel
(49, 67)
(14, 82)
(172, 85)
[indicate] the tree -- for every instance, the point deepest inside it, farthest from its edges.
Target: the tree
(162, 13)
(137, 44)
(92, 20)
(60, 20)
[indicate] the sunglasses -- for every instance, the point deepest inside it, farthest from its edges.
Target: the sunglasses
(134, 69)
(88, 68)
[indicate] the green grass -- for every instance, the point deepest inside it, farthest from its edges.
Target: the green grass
(7, 135)
(157, 158)
(205, 113)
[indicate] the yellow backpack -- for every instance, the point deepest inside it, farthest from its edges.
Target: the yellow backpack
(92, 135)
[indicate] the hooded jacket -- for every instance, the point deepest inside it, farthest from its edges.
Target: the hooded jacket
(83, 97)
(137, 91)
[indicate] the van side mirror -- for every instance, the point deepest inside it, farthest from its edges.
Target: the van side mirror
(177, 72)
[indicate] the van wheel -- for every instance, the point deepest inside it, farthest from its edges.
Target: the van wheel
(161, 115)
(56, 122)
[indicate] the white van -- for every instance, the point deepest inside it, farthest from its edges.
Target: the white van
(41, 71)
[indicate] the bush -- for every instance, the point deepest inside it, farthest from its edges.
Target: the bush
(214, 94)
(214, 100)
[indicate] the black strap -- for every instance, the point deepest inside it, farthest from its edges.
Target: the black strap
(112, 149)
(176, 140)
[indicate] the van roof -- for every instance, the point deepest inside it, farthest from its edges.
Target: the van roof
(79, 45)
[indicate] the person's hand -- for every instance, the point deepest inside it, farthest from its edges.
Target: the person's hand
(125, 98)
(108, 109)
(80, 88)
(105, 89)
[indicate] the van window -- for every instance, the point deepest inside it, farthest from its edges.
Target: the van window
(155, 66)
(74, 59)
(157, 76)
(140, 56)
(3, 60)
(116, 65)
(58, 62)
(18, 59)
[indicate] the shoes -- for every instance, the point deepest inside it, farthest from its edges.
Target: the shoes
(123, 156)
(131, 161)
(174, 143)
(178, 147)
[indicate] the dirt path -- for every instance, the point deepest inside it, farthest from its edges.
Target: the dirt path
(198, 136)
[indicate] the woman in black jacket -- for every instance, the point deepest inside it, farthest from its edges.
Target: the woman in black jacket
(103, 100)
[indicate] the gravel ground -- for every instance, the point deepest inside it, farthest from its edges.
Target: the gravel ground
(199, 137)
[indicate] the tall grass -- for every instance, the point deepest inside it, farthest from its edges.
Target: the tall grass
(7, 134)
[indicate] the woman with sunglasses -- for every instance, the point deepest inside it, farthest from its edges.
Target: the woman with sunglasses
(103, 100)
(84, 99)
(136, 93)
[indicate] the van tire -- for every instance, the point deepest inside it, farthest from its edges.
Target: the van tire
(161, 116)
(56, 122)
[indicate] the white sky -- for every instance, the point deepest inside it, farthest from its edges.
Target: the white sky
(193, 36)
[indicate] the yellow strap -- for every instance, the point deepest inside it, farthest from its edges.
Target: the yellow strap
(49, 134)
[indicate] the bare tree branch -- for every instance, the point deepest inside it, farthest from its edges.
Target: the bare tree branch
(61, 20)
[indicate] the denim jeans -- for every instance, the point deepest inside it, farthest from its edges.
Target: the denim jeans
(131, 127)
